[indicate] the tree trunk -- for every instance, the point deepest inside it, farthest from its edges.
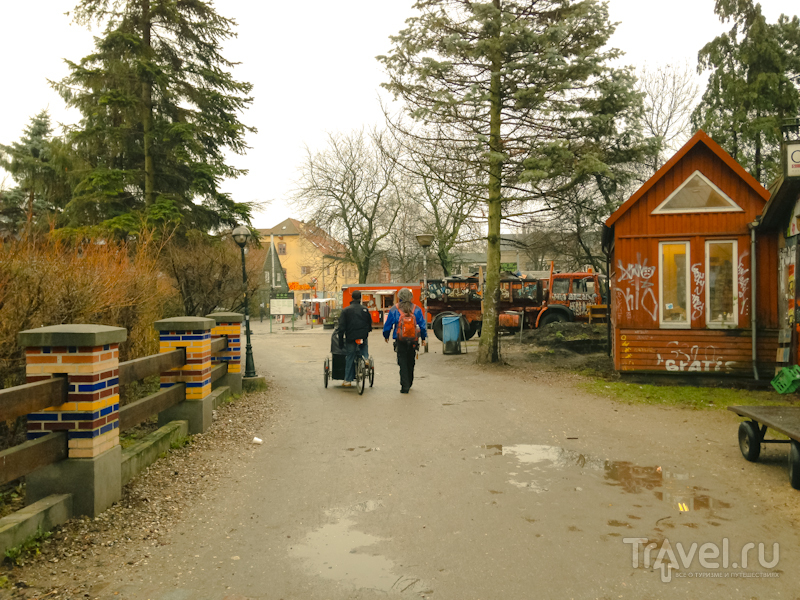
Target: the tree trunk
(147, 111)
(488, 346)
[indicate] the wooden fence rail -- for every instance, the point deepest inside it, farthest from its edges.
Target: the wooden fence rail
(31, 397)
(20, 460)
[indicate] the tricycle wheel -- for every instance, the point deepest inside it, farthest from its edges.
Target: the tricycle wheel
(361, 375)
(794, 465)
(327, 371)
(750, 440)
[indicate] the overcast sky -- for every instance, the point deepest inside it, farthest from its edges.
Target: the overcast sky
(313, 67)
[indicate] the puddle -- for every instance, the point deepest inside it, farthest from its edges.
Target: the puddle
(338, 552)
(667, 486)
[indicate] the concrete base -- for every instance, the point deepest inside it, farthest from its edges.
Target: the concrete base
(95, 483)
(254, 384)
(145, 452)
(232, 381)
(44, 514)
(196, 412)
(220, 396)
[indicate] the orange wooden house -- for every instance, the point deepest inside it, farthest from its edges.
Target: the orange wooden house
(684, 283)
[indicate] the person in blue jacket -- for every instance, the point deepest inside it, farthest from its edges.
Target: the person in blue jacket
(406, 351)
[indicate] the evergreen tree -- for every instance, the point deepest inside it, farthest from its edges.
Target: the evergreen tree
(751, 86)
(160, 110)
(33, 163)
(527, 86)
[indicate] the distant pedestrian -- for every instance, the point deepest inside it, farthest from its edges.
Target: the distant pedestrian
(355, 323)
(406, 324)
(261, 311)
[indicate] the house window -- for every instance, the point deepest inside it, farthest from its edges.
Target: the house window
(721, 284)
(305, 270)
(673, 282)
(281, 248)
(697, 194)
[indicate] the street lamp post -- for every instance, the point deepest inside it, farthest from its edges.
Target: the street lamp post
(240, 236)
(425, 240)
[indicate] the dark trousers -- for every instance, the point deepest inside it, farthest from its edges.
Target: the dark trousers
(405, 359)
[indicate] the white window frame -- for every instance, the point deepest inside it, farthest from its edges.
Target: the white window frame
(670, 324)
(661, 210)
(734, 265)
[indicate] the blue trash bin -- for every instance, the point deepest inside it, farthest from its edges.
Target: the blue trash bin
(451, 334)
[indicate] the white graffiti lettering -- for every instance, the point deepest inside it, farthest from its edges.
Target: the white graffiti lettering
(744, 283)
(690, 360)
(639, 293)
(697, 291)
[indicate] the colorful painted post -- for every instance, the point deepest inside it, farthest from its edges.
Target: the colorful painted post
(193, 334)
(229, 324)
(88, 356)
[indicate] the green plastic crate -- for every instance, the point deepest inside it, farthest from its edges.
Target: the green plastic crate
(787, 380)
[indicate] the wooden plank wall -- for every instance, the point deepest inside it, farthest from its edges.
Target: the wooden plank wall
(721, 352)
(639, 343)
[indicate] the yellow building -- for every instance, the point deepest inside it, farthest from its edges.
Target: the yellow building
(311, 259)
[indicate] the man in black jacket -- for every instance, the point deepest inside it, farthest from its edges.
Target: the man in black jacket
(355, 323)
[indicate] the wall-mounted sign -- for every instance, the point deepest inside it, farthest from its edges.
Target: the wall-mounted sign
(792, 159)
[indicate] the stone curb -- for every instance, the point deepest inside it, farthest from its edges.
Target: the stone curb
(45, 514)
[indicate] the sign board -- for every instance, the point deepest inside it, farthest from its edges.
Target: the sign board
(792, 159)
(282, 304)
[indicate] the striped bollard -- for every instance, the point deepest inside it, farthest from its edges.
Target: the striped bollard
(229, 324)
(88, 357)
(194, 335)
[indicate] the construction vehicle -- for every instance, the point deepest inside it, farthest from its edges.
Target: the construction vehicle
(527, 301)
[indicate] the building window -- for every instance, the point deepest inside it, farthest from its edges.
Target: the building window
(305, 270)
(673, 282)
(721, 284)
(281, 248)
(697, 194)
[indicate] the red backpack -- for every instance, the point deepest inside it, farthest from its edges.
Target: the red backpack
(407, 328)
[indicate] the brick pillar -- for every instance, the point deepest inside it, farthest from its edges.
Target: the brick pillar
(229, 324)
(193, 334)
(88, 356)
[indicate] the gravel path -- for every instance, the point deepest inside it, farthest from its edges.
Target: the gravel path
(79, 555)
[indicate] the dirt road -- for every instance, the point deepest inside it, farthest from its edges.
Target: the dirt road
(482, 483)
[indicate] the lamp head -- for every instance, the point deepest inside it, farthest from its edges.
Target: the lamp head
(240, 235)
(425, 239)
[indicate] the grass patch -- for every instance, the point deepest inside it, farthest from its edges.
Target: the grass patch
(12, 498)
(30, 547)
(685, 396)
(181, 442)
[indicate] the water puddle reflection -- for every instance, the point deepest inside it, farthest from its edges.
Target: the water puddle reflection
(666, 485)
(338, 552)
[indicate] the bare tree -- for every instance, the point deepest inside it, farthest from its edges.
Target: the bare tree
(350, 189)
(670, 95)
(442, 178)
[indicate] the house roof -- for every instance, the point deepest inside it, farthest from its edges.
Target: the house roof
(314, 234)
(778, 211)
(701, 137)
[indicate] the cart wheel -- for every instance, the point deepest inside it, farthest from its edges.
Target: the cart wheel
(794, 465)
(750, 440)
(327, 371)
(361, 375)
(371, 372)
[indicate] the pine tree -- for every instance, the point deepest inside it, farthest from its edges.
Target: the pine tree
(160, 110)
(526, 84)
(751, 86)
(32, 162)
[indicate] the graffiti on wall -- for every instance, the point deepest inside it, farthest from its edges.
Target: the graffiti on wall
(744, 283)
(699, 284)
(638, 292)
(693, 358)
